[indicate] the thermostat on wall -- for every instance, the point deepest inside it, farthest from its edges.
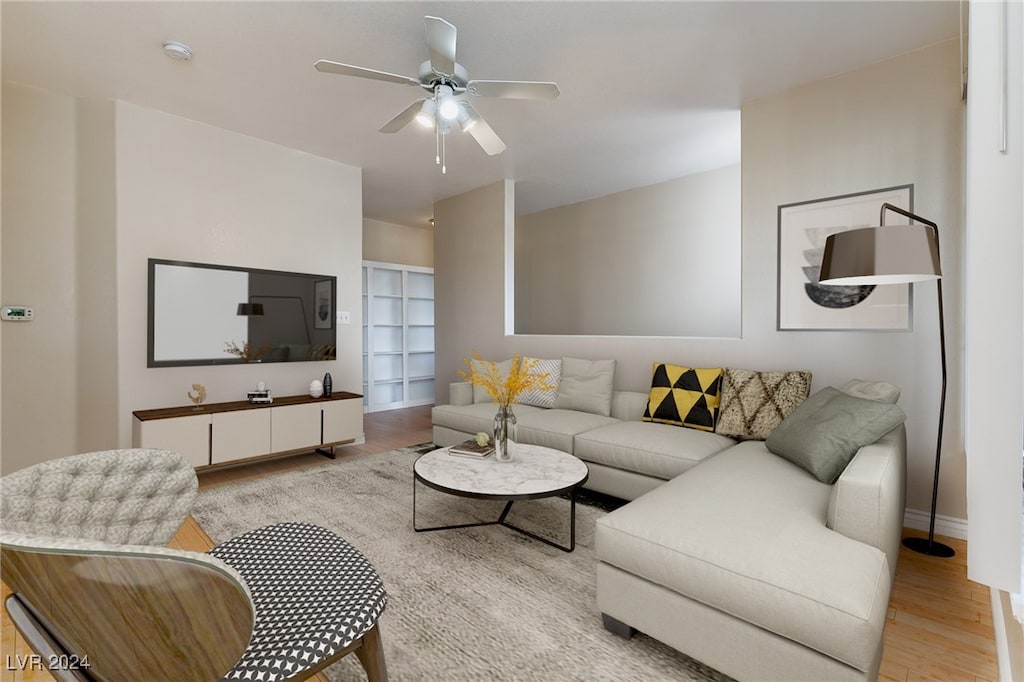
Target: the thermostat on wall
(16, 313)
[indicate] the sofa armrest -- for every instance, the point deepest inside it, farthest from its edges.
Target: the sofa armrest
(460, 393)
(867, 502)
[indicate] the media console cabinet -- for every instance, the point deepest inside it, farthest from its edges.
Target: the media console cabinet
(229, 433)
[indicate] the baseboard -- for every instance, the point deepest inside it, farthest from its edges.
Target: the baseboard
(950, 526)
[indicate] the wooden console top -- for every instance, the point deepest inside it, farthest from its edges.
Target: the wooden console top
(234, 406)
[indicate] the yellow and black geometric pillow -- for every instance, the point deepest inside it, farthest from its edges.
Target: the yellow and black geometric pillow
(684, 396)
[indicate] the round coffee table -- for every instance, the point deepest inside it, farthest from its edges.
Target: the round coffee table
(534, 472)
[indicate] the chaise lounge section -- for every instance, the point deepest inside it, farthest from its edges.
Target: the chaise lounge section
(737, 552)
(751, 565)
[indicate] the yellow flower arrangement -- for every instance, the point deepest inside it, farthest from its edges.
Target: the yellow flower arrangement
(504, 389)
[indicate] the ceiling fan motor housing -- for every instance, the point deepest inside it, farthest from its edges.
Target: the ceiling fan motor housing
(430, 79)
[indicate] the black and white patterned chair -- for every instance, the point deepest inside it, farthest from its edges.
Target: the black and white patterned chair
(93, 586)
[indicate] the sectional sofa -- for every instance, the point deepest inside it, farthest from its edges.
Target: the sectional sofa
(728, 552)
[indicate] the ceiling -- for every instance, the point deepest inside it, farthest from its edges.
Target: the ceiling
(649, 91)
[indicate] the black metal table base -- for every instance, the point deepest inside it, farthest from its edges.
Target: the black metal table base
(502, 522)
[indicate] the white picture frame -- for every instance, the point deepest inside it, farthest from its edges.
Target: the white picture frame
(805, 305)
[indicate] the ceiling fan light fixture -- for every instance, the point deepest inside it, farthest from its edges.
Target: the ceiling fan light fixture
(425, 117)
(447, 105)
(467, 119)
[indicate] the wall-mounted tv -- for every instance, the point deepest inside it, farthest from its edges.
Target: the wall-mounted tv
(203, 314)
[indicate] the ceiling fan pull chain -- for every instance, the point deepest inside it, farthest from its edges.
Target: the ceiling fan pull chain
(437, 142)
(444, 167)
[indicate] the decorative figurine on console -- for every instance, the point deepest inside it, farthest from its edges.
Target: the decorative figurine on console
(260, 395)
(316, 389)
(197, 395)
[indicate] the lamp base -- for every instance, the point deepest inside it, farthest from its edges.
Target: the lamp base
(931, 548)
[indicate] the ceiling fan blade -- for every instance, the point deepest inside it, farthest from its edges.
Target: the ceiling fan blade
(441, 44)
(514, 89)
(483, 133)
(327, 66)
(403, 119)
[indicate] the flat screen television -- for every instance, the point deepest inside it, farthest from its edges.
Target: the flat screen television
(204, 314)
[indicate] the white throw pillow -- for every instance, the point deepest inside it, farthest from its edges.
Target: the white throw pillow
(586, 386)
(553, 368)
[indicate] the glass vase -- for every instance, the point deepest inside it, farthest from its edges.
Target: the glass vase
(504, 420)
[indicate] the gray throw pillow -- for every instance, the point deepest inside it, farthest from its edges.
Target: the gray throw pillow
(586, 386)
(825, 431)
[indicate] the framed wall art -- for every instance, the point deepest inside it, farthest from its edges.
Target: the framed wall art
(803, 304)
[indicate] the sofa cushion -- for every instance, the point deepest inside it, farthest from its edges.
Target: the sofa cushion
(824, 433)
(647, 448)
(586, 386)
(473, 418)
(555, 428)
(754, 403)
(745, 533)
(537, 397)
(684, 396)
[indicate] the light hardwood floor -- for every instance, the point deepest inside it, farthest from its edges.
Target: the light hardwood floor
(939, 626)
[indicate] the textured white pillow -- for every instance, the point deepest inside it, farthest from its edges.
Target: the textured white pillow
(553, 368)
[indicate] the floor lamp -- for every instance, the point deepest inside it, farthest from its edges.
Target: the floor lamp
(897, 254)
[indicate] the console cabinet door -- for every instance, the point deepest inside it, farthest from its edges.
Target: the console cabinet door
(343, 420)
(189, 436)
(294, 427)
(239, 435)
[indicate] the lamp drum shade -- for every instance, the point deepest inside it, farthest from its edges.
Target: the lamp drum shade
(894, 254)
(250, 309)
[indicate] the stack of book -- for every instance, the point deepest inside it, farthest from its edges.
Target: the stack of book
(258, 396)
(472, 449)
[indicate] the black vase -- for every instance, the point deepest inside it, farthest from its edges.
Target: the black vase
(327, 385)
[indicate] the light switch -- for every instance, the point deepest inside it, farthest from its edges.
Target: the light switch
(344, 317)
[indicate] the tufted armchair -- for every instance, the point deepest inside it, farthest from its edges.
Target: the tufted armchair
(82, 549)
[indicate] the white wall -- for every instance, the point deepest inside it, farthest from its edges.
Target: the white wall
(469, 312)
(189, 191)
(38, 269)
(995, 301)
(393, 243)
(674, 248)
(92, 189)
(95, 241)
(895, 122)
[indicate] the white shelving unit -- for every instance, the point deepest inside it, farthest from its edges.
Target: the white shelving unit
(398, 336)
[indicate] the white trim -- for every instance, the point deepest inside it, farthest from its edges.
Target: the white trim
(950, 526)
(398, 266)
(1003, 624)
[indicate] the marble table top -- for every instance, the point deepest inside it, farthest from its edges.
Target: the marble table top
(533, 471)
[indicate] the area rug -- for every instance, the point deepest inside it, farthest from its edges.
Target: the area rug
(481, 603)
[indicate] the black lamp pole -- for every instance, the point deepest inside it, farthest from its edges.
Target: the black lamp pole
(929, 545)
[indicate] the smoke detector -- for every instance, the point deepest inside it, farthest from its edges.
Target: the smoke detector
(178, 51)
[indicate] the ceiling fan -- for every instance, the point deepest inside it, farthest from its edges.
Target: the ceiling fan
(448, 83)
